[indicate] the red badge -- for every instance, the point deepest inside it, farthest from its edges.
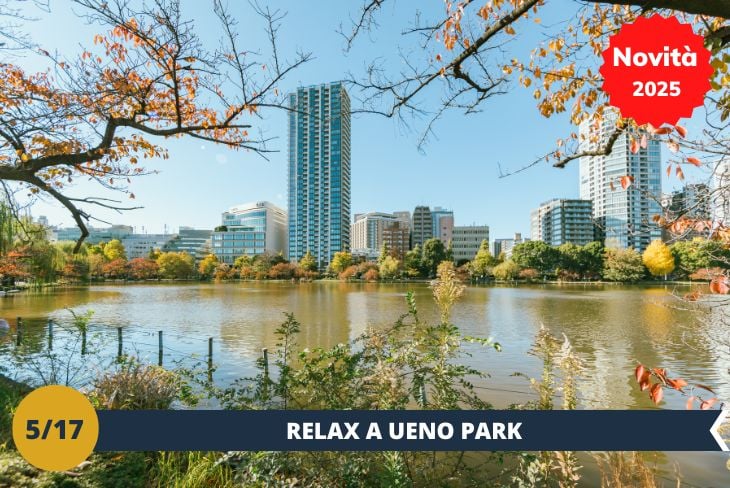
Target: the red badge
(656, 70)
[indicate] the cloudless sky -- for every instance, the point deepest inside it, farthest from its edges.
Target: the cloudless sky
(458, 170)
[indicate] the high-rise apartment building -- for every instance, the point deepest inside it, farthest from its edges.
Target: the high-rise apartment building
(443, 224)
(467, 240)
(249, 230)
(367, 231)
(397, 236)
(422, 226)
(623, 216)
(562, 221)
(319, 172)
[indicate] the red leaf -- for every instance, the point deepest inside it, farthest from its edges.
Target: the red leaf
(718, 286)
(695, 161)
(690, 402)
(656, 393)
(626, 181)
(634, 146)
(681, 130)
(669, 170)
(645, 384)
(661, 374)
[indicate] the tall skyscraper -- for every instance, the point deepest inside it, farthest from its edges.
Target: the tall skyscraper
(319, 172)
(422, 227)
(623, 217)
(560, 221)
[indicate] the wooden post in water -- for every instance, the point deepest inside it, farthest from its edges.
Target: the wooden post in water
(265, 353)
(119, 343)
(50, 335)
(159, 348)
(210, 359)
(19, 331)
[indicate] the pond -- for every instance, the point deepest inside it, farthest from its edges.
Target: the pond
(611, 327)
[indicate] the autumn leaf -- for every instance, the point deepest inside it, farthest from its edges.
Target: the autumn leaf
(611, 185)
(639, 372)
(673, 146)
(669, 170)
(677, 384)
(626, 181)
(661, 130)
(644, 141)
(656, 393)
(681, 131)
(718, 286)
(680, 173)
(694, 161)
(690, 402)
(634, 146)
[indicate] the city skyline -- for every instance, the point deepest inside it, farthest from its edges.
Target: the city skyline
(459, 169)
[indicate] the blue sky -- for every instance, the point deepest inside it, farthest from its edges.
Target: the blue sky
(458, 170)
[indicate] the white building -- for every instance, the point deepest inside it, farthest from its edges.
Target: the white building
(249, 230)
(140, 245)
(623, 217)
(367, 232)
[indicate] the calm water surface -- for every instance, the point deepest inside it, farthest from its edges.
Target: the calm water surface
(611, 327)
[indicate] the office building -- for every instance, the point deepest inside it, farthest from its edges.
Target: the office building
(421, 226)
(195, 242)
(96, 235)
(140, 245)
(367, 232)
(562, 221)
(443, 224)
(319, 172)
(624, 217)
(249, 230)
(506, 245)
(467, 240)
(397, 236)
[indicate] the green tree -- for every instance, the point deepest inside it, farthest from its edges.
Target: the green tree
(570, 258)
(341, 261)
(176, 265)
(623, 265)
(207, 266)
(591, 259)
(506, 271)
(450, 251)
(308, 263)
(384, 252)
(114, 250)
(482, 264)
(699, 253)
(434, 253)
(413, 262)
(242, 261)
(389, 267)
(658, 258)
(537, 255)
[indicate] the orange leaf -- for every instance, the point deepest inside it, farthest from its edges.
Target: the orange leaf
(690, 402)
(634, 146)
(718, 286)
(656, 393)
(677, 384)
(639, 372)
(644, 141)
(661, 130)
(681, 130)
(680, 173)
(669, 170)
(695, 161)
(626, 181)
(610, 184)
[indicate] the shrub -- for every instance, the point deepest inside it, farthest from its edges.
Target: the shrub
(506, 271)
(134, 386)
(348, 273)
(371, 275)
(529, 274)
(282, 271)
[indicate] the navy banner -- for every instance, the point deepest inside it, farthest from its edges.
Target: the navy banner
(410, 430)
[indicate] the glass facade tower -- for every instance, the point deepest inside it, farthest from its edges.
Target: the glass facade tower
(319, 172)
(623, 217)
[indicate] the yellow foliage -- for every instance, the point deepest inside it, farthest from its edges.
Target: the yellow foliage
(658, 258)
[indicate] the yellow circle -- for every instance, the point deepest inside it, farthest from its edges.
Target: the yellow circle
(55, 428)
